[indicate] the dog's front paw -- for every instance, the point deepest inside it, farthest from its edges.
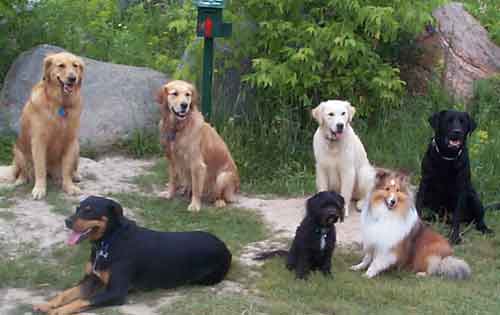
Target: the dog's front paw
(356, 267)
(44, 308)
(21, 180)
(220, 203)
(72, 189)
(455, 238)
(39, 192)
(194, 206)
(370, 273)
(76, 177)
(484, 229)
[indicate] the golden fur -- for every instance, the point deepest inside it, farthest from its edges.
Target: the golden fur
(394, 236)
(48, 141)
(199, 160)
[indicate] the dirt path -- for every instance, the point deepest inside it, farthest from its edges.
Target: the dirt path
(18, 230)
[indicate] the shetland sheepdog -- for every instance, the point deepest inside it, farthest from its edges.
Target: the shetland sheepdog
(394, 236)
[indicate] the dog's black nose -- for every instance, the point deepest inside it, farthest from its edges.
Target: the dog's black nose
(184, 106)
(69, 222)
(340, 127)
(71, 78)
(392, 202)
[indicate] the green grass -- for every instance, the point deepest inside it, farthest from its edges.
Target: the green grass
(6, 143)
(234, 226)
(394, 292)
(59, 204)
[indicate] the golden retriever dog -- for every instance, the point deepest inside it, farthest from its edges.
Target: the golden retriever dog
(50, 121)
(199, 160)
(341, 161)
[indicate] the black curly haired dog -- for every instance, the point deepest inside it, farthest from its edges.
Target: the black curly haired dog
(315, 238)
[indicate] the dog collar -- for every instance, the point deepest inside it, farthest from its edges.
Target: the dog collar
(102, 250)
(170, 135)
(441, 155)
(62, 112)
(322, 241)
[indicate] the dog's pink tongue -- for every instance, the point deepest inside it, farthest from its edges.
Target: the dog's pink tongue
(73, 238)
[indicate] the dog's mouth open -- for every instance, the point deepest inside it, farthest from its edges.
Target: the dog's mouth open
(454, 143)
(67, 87)
(335, 134)
(76, 237)
(181, 115)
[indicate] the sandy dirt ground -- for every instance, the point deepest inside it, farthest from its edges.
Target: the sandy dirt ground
(18, 230)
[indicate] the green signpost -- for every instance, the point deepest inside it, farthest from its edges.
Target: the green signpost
(209, 26)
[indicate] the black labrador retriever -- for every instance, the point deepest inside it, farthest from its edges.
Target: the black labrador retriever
(125, 256)
(315, 238)
(446, 186)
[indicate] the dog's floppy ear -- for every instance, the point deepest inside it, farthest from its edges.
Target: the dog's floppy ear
(115, 208)
(472, 124)
(381, 173)
(351, 110)
(316, 113)
(434, 120)
(195, 98)
(339, 204)
(161, 95)
(81, 65)
(47, 63)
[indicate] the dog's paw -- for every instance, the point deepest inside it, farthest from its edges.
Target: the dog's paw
(76, 177)
(455, 238)
(194, 207)
(356, 267)
(422, 274)
(44, 308)
(220, 203)
(39, 192)
(167, 194)
(21, 180)
(370, 274)
(485, 230)
(72, 189)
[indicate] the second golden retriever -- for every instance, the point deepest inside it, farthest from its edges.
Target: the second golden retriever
(199, 160)
(50, 122)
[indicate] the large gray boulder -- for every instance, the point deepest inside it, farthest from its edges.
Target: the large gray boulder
(469, 54)
(117, 99)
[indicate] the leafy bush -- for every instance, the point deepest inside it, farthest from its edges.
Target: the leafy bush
(305, 51)
(150, 34)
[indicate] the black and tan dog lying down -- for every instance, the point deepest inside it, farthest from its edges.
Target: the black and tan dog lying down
(126, 256)
(315, 238)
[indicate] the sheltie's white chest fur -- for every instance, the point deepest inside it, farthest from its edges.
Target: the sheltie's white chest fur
(382, 228)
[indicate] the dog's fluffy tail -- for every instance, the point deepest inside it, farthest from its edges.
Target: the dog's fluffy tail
(6, 173)
(270, 254)
(449, 267)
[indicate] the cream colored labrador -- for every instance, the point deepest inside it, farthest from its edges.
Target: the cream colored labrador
(341, 161)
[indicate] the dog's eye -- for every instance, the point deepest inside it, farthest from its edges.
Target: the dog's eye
(175, 94)
(343, 113)
(188, 94)
(397, 190)
(75, 65)
(331, 114)
(387, 188)
(62, 65)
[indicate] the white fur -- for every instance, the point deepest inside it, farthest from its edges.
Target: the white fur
(382, 230)
(341, 164)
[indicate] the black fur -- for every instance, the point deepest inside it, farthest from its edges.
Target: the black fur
(446, 186)
(142, 258)
(323, 210)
